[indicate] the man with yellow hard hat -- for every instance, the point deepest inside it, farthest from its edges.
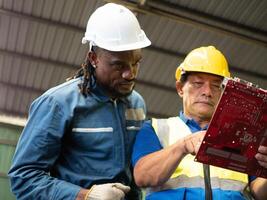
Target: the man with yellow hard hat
(163, 154)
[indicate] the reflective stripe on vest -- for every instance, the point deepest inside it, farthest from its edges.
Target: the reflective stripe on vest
(184, 181)
(190, 173)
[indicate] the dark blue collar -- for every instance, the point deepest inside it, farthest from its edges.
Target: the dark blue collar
(191, 123)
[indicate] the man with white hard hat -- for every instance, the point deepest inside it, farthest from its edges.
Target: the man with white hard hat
(78, 139)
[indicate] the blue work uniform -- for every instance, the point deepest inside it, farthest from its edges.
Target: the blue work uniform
(72, 141)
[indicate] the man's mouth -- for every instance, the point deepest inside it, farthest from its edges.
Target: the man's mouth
(127, 83)
(206, 102)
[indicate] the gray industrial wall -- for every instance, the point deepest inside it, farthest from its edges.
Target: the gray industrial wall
(9, 135)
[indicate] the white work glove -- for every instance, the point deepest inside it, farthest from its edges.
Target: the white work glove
(108, 191)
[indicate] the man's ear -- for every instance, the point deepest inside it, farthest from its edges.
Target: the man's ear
(92, 58)
(179, 88)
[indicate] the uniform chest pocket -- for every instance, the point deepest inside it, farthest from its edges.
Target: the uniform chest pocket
(96, 146)
(93, 139)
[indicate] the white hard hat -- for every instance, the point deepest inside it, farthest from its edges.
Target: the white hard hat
(115, 28)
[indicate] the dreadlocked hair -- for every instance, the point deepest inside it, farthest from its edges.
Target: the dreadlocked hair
(87, 72)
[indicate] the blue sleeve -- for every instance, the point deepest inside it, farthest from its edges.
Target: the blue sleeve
(37, 151)
(146, 142)
(251, 178)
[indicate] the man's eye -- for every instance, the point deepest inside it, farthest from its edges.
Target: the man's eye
(197, 84)
(216, 87)
(117, 66)
(137, 64)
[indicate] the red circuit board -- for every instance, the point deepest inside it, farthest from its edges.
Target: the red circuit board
(237, 128)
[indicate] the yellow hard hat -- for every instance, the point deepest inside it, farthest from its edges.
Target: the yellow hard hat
(204, 59)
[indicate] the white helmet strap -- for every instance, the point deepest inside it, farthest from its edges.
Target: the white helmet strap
(91, 44)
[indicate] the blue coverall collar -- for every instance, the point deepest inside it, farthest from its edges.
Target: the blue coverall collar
(191, 122)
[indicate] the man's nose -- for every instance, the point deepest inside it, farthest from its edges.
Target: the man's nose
(207, 90)
(129, 73)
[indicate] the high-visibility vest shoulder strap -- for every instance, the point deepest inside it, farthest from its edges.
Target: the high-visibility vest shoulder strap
(170, 130)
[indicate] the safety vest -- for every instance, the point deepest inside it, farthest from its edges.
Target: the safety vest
(189, 174)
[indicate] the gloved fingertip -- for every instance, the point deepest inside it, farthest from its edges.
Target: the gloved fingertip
(122, 187)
